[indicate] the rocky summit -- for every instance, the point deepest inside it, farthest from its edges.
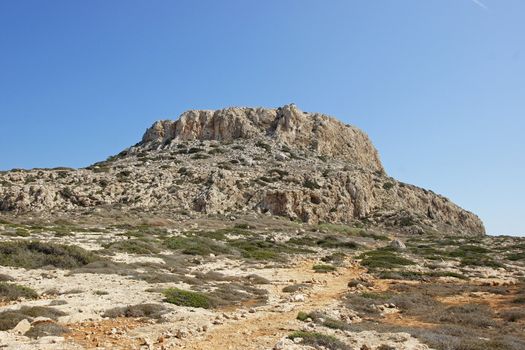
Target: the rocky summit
(284, 162)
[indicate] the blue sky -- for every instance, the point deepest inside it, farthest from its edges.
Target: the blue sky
(439, 85)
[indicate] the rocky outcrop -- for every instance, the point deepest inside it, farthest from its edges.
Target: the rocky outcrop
(286, 125)
(284, 162)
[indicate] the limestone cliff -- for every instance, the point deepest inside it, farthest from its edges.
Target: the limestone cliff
(304, 166)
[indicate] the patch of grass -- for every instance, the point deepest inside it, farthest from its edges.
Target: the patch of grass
(159, 277)
(480, 261)
(319, 340)
(196, 245)
(133, 246)
(228, 294)
(388, 185)
(11, 291)
(516, 256)
(416, 275)
(9, 319)
(310, 184)
(473, 255)
(322, 319)
(336, 242)
(336, 258)
(187, 298)
(473, 315)
(35, 254)
(46, 329)
(303, 316)
(374, 296)
(328, 241)
(264, 146)
(323, 268)
(295, 288)
(5, 278)
(383, 258)
(258, 249)
(513, 315)
(427, 252)
(139, 310)
(519, 299)
(256, 279)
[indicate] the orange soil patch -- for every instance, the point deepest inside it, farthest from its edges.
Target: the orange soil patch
(110, 334)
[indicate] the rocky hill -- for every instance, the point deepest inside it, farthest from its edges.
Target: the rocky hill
(285, 162)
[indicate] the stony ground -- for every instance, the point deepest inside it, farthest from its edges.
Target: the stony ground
(254, 282)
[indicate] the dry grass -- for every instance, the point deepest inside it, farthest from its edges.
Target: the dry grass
(139, 310)
(11, 291)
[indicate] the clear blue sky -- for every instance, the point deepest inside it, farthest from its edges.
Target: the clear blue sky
(439, 85)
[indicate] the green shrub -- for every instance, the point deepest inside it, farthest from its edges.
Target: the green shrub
(133, 246)
(264, 146)
(322, 319)
(35, 254)
(263, 250)
(46, 329)
(140, 310)
(302, 316)
(310, 184)
(11, 291)
(323, 268)
(187, 298)
(319, 340)
(196, 245)
(295, 288)
(516, 256)
(388, 185)
(385, 258)
(9, 319)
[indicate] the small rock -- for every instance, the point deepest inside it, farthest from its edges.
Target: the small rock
(22, 327)
(297, 340)
(298, 298)
(398, 245)
(181, 333)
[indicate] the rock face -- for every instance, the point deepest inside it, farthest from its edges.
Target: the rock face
(304, 166)
(286, 125)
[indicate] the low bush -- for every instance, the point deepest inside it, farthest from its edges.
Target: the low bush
(4, 278)
(35, 254)
(9, 319)
(235, 294)
(187, 298)
(139, 310)
(323, 268)
(295, 288)
(46, 329)
(383, 258)
(196, 245)
(513, 315)
(319, 340)
(322, 319)
(258, 249)
(11, 291)
(133, 246)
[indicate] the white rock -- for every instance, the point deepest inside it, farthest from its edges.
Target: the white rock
(22, 327)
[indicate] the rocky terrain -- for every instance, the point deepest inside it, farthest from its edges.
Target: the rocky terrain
(303, 166)
(249, 229)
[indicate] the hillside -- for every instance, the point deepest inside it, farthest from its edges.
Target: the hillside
(304, 166)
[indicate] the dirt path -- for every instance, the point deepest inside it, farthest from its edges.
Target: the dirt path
(264, 328)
